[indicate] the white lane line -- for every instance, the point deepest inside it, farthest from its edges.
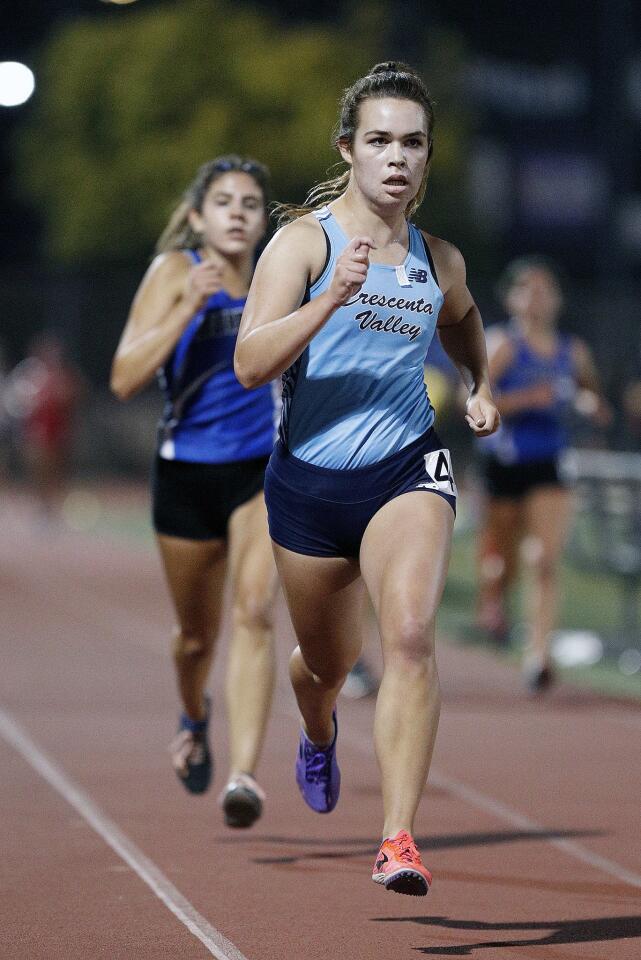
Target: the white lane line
(462, 791)
(217, 945)
(502, 812)
(468, 794)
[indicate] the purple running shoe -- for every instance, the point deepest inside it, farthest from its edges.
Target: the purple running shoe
(317, 773)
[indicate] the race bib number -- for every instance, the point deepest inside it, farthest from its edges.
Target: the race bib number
(438, 467)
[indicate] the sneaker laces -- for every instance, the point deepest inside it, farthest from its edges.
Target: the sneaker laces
(318, 764)
(406, 849)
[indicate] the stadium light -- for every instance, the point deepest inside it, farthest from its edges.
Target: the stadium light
(17, 83)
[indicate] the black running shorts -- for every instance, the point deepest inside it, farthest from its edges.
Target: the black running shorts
(196, 500)
(515, 480)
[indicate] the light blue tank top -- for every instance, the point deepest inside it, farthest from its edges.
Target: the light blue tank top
(209, 417)
(357, 393)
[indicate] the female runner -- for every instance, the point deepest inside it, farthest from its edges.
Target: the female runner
(360, 491)
(214, 443)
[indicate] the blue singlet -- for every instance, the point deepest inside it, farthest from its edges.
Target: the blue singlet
(209, 417)
(534, 435)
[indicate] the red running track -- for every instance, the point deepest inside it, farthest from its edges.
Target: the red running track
(530, 822)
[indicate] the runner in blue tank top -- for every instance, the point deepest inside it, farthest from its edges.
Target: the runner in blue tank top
(360, 490)
(539, 377)
(214, 441)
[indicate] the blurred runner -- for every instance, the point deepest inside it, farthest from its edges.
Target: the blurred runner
(42, 394)
(539, 376)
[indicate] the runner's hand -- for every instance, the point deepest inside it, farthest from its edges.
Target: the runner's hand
(351, 268)
(482, 416)
(203, 280)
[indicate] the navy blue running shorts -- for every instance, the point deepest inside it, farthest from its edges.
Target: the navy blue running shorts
(324, 513)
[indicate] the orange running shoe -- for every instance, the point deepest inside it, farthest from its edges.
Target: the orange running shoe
(398, 866)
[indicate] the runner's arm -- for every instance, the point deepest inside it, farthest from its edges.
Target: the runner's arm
(276, 325)
(461, 333)
(170, 293)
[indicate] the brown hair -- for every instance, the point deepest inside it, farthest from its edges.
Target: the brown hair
(533, 261)
(388, 79)
(179, 234)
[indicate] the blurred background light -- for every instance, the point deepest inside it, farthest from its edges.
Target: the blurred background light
(630, 662)
(17, 83)
(574, 648)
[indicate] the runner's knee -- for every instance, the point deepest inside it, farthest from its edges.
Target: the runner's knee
(411, 641)
(542, 561)
(253, 609)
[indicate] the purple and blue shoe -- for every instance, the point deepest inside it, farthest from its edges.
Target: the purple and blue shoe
(317, 773)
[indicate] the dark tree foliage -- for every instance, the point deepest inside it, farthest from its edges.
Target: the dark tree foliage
(129, 106)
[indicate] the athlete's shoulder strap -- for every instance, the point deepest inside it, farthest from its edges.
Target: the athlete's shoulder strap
(330, 226)
(332, 236)
(420, 244)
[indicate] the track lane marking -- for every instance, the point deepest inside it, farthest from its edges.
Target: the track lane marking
(501, 811)
(214, 941)
(468, 794)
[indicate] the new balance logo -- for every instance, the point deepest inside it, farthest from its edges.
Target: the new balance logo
(420, 276)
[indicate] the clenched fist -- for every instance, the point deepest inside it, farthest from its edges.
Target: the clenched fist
(481, 414)
(351, 268)
(203, 280)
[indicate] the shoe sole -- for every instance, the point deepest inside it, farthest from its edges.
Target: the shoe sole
(242, 808)
(409, 882)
